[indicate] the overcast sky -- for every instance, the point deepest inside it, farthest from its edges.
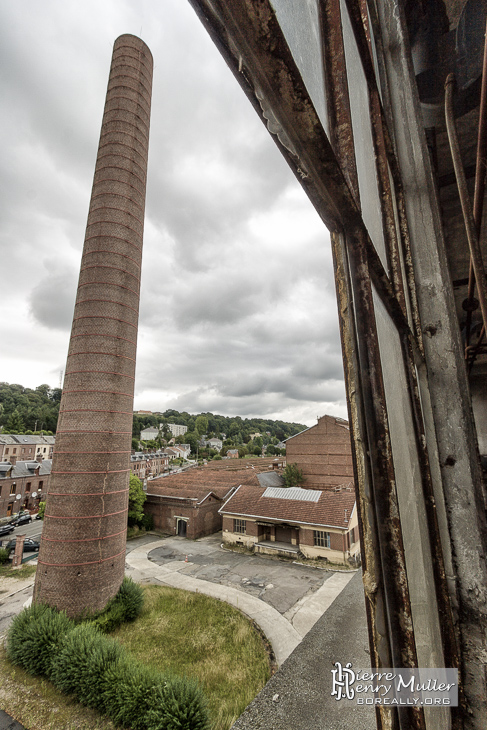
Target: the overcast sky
(238, 309)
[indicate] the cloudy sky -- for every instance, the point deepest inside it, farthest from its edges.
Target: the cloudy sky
(238, 310)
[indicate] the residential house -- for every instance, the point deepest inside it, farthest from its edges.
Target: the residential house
(287, 521)
(323, 453)
(214, 443)
(149, 434)
(23, 484)
(146, 465)
(179, 451)
(26, 447)
(232, 453)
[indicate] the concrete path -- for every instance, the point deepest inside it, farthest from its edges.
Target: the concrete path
(283, 632)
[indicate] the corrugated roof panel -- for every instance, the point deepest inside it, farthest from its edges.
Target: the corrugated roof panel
(303, 495)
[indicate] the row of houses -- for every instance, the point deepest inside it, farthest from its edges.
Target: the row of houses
(26, 447)
(146, 465)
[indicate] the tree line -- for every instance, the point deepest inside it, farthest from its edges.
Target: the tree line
(234, 431)
(27, 410)
(24, 410)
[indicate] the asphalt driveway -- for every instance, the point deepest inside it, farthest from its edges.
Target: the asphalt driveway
(280, 583)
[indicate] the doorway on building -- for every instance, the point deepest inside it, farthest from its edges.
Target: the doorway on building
(284, 534)
(181, 527)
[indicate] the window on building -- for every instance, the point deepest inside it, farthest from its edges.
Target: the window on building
(27, 487)
(40, 485)
(6, 451)
(321, 539)
(239, 526)
(14, 451)
(13, 489)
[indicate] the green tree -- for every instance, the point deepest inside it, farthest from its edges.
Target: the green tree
(293, 476)
(191, 439)
(42, 509)
(15, 423)
(135, 444)
(137, 498)
(201, 425)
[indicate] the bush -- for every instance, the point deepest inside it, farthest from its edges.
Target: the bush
(147, 522)
(34, 637)
(98, 671)
(179, 703)
(125, 606)
(141, 698)
(3, 556)
(131, 596)
(129, 691)
(81, 664)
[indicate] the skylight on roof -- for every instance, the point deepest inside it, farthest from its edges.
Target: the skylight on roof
(303, 495)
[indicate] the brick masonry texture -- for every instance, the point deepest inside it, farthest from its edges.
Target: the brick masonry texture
(323, 452)
(82, 555)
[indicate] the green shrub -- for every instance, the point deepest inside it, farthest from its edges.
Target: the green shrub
(3, 555)
(111, 618)
(131, 596)
(34, 637)
(179, 703)
(81, 664)
(141, 698)
(129, 690)
(147, 522)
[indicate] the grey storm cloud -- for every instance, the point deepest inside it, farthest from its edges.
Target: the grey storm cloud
(238, 313)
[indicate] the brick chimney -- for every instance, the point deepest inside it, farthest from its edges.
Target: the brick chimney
(39, 458)
(13, 460)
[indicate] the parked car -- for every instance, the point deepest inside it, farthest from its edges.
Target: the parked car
(30, 546)
(6, 529)
(21, 520)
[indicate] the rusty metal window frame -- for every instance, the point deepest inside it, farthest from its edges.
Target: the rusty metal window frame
(253, 44)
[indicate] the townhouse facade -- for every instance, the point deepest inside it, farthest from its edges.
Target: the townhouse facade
(26, 447)
(23, 484)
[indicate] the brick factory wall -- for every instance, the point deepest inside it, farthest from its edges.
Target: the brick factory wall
(323, 452)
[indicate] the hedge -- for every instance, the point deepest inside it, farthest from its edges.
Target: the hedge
(80, 660)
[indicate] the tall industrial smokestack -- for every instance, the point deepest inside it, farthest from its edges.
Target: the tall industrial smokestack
(82, 555)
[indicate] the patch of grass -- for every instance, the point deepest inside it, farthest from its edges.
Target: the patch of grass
(196, 636)
(38, 705)
(6, 571)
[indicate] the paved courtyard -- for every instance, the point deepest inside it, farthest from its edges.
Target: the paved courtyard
(280, 583)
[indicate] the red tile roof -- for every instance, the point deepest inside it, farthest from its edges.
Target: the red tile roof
(333, 508)
(197, 483)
